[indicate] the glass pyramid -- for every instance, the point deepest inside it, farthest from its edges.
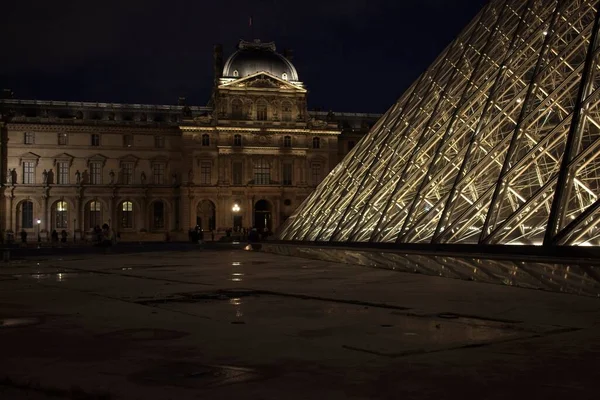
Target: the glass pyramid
(498, 142)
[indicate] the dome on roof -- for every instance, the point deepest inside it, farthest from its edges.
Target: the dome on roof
(253, 57)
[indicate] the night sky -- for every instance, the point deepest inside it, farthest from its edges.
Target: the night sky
(353, 55)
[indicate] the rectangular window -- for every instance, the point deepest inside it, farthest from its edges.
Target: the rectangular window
(96, 173)
(316, 174)
(237, 140)
(158, 173)
(159, 142)
(237, 170)
(28, 172)
(127, 140)
(286, 111)
(62, 173)
(287, 141)
(62, 139)
(205, 168)
(127, 173)
(205, 140)
(262, 172)
(95, 140)
(287, 173)
(29, 138)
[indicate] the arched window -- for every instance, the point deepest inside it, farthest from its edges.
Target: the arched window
(158, 215)
(284, 76)
(236, 73)
(286, 111)
(262, 172)
(206, 139)
(27, 215)
(237, 140)
(261, 110)
(316, 173)
(127, 214)
(287, 141)
(316, 143)
(61, 220)
(94, 214)
(237, 111)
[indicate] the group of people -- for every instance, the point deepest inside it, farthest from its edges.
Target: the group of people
(104, 236)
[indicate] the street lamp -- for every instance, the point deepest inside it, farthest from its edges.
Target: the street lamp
(39, 221)
(235, 208)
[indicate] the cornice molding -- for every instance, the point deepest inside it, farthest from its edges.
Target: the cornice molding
(47, 127)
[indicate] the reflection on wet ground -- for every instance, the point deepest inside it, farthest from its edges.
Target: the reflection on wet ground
(566, 278)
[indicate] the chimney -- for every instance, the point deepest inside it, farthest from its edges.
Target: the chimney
(218, 62)
(289, 54)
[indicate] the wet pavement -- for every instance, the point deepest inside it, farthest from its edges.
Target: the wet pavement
(237, 324)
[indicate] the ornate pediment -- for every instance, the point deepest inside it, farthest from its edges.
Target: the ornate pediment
(129, 158)
(263, 80)
(64, 157)
(96, 158)
(29, 156)
(159, 160)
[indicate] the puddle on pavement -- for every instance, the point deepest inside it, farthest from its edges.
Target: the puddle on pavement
(192, 375)
(18, 322)
(53, 276)
(379, 329)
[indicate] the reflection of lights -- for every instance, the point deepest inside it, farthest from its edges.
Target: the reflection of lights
(60, 277)
(237, 274)
(236, 279)
(236, 301)
(236, 263)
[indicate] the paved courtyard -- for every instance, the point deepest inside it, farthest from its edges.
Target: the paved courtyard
(230, 323)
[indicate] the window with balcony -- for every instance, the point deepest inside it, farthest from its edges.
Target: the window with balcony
(28, 172)
(158, 173)
(127, 173)
(62, 172)
(96, 173)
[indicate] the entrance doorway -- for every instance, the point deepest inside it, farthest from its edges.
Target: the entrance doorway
(206, 215)
(262, 215)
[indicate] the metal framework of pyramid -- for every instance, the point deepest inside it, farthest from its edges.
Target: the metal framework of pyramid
(498, 142)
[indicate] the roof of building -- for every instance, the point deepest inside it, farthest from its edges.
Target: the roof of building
(253, 57)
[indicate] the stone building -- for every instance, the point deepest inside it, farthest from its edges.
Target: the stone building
(249, 158)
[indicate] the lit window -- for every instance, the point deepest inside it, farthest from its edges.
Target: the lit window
(29, 138)
(284, 76)
(60, 215)
(262, 172)
(159, 141)
(261, 111)
(158, 173)
(127, 214)
(62, 176)
(236, 73)
(95, 140)
(127, 140)
(127, 173)
(28, 172)
(96, 173)
(287, 141)
(62, 139)
(205, 172)
(316, 143)
(27, 215)
(237, 140)
(206, 139)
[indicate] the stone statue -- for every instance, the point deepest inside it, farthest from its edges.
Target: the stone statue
(9, 177)
(78, 177)
(45, 177)
(191, 176)
(112, 177)
(143, 178)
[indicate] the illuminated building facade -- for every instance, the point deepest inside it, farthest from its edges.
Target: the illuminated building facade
(249, 158)
(498, 142)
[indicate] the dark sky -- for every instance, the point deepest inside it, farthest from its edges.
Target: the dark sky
(353, 55)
